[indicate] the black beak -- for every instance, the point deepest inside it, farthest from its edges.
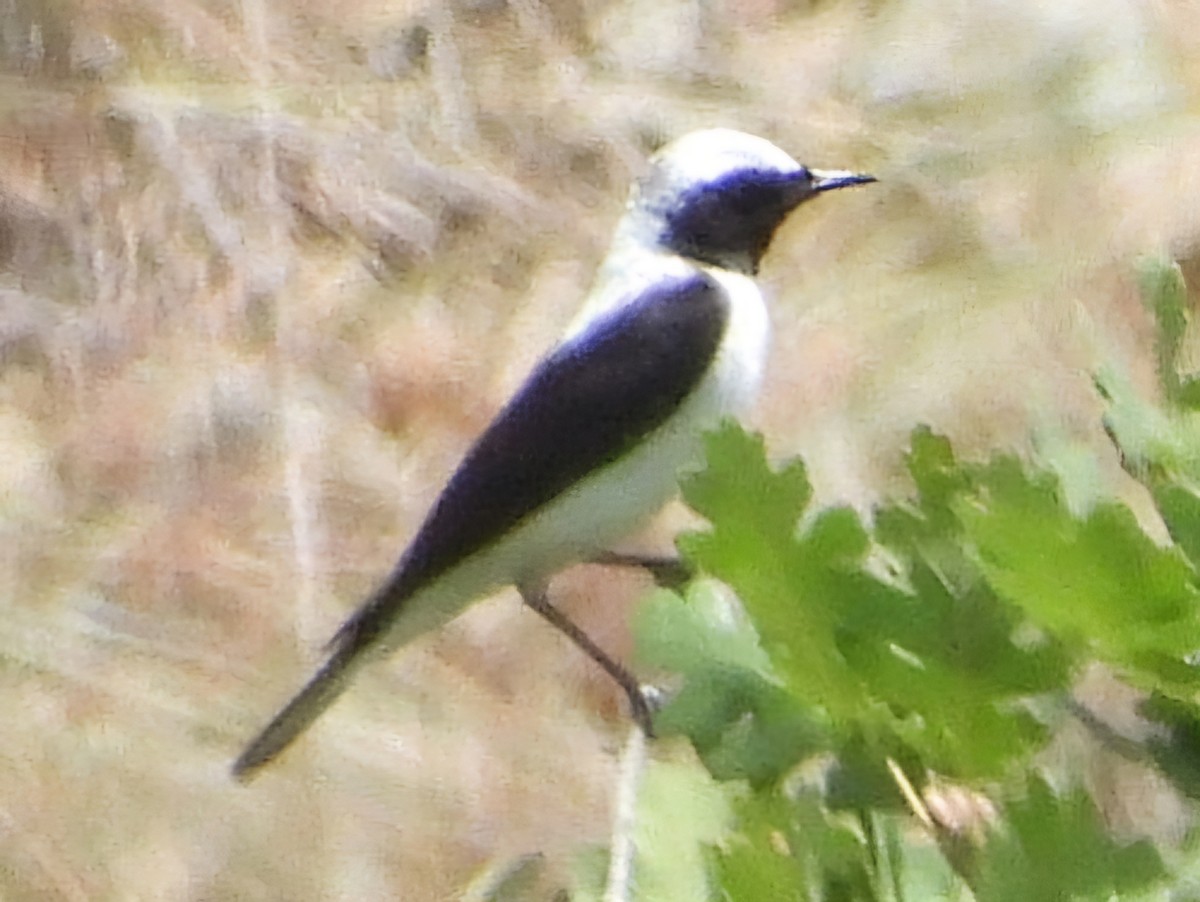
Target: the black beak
(832, 179)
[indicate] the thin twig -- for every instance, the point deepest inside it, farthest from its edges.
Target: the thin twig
(1107, 736)
(957, 847)
(915, 803)
(620, 863)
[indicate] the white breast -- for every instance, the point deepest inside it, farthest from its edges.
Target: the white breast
(607, 506)
(737, 373)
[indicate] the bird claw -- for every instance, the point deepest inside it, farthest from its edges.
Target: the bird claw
(646, 700)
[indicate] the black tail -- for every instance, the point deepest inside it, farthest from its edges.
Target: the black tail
(318, 694)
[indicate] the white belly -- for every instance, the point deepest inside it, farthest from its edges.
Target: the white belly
(608, 505)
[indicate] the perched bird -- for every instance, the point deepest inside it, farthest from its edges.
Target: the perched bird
(671, 340)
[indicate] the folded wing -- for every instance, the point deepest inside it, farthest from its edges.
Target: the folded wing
(586, 404)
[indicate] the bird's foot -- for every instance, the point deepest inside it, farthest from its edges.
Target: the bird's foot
(670, 572)
(644, 700)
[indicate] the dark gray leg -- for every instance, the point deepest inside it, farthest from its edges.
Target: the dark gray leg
(639, 703)
(668, 572)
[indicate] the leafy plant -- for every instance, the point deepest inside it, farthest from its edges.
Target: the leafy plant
(875, 699)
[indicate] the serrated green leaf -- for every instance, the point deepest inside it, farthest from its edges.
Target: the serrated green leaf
(1151, 440)
(927, 527)
(757, 863)
(989, 593)
(741, 722)
(837, 538)
(739, 489)
(951, 671)
(938, 666)
(1098, 581)
(790, 848)
(945, 655)
(707, 629)
(782, 579)
(1053, 847)
(764, 747)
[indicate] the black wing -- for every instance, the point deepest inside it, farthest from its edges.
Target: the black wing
(584, 405)
(590, 400)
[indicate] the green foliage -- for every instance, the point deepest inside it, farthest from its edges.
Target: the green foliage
(1165, 295)
(1098, 582)
(742, 723)
(787, 846)
(839, 664)
(1163, 291)
(1054, 847)
(682, 814)
(923, 661)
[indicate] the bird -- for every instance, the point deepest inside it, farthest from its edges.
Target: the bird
(671, 340)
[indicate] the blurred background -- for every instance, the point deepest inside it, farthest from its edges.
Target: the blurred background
(266, 269)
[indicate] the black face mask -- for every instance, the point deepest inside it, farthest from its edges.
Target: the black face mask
(735, 218)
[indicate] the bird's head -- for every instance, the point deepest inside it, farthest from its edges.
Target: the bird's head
(718, 196)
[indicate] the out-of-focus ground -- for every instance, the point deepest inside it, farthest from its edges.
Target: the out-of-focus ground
(266, 268)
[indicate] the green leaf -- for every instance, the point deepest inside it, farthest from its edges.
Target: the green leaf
(932, 465)
(930, 642)
(950, 669)
(1179, 503)
(925, 875)
(1098, 581)
(791, 848)
(1053, 847)
(681, 814)
(785, 582)
(741, 491)
(935, 666)
(1175, 747)
(741, 722)
(756, 862)
(1152, 441)
(945, 655)
(1165, 295)
(707, 630)
(927, 528)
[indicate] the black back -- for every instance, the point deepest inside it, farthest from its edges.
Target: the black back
(587, 403)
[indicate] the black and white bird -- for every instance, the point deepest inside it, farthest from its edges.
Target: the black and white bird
(671, 340)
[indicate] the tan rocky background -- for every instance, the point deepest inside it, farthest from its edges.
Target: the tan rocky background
(265, 268)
